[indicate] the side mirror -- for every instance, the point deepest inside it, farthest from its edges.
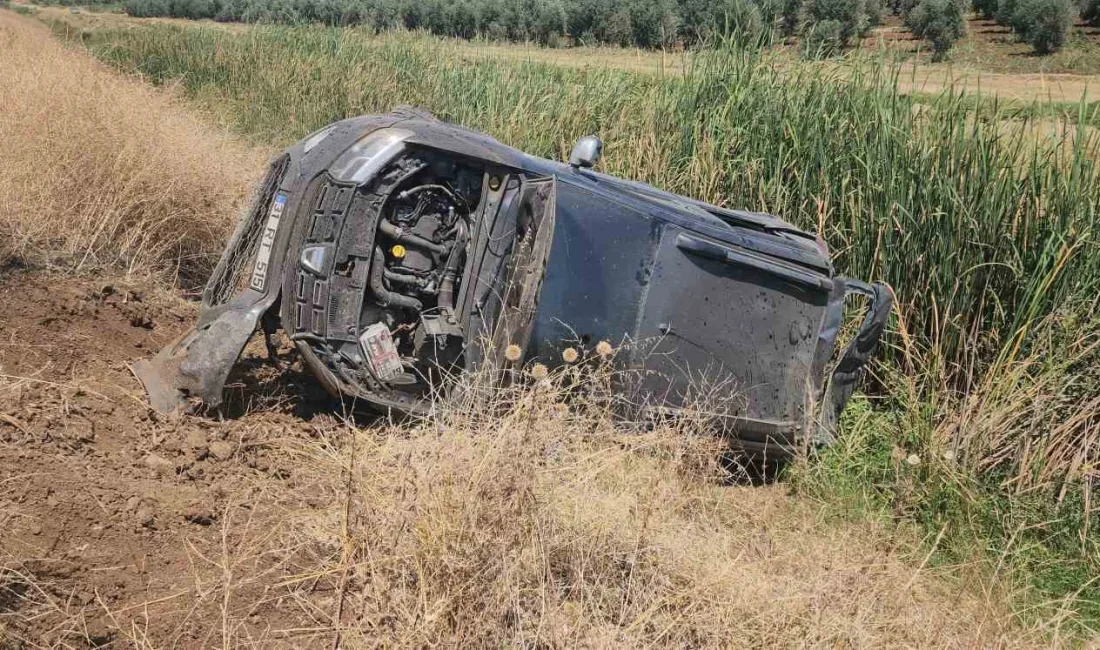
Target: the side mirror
(586, 153)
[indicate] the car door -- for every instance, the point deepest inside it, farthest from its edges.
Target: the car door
(717, 316)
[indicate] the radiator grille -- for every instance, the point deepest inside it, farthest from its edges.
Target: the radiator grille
(232, 273)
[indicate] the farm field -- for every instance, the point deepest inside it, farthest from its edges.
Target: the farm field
(957, 510)
(983, 62)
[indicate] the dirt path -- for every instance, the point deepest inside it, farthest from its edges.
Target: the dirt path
(117, 526)
(1025, 87)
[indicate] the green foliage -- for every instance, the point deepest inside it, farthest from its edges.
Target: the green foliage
(829, 25)
(822, 38)
(653, 23)
(1005, 12)
(1090, 12)
(1042, 23)
(940, 22)
(925, 456)
(876, 10)
(789, 12)
(643, 23)
(719, 19)
(985, 8)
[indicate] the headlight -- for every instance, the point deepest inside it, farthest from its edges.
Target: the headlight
(368, 155)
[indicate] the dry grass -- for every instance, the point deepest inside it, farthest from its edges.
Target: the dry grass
(101, 171)
(513, 520)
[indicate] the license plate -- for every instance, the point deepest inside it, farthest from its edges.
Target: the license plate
(267, 241)
(377, 344)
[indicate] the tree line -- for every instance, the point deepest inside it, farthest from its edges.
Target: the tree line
(822, 26)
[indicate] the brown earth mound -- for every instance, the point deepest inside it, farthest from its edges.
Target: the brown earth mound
(114, 521)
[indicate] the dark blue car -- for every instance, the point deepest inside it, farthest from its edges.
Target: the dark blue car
(398, 250)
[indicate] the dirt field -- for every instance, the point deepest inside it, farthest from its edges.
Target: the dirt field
(115, 525)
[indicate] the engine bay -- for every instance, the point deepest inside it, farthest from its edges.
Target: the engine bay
(382, 267)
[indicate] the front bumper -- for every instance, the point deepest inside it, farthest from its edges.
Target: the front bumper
(247, 282)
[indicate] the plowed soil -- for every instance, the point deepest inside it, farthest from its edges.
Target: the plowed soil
(112, 518)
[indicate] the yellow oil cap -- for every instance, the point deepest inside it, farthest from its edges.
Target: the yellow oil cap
(398, 251)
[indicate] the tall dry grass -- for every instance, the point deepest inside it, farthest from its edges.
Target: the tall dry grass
(1004, 473)
(533, 518)
(101, 171)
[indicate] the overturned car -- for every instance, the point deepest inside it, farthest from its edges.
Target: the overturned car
(397, 251)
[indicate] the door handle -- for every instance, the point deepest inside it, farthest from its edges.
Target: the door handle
(728, 254)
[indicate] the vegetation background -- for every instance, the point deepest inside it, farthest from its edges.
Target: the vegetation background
(980, 428)
(822, 26)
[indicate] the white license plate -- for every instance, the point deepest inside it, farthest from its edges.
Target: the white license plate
(381, 352)
(267, 241)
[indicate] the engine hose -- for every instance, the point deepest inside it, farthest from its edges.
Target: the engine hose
(398, 233)
(384, 295)
(404, 278)
(430, 186)
(450, 271)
